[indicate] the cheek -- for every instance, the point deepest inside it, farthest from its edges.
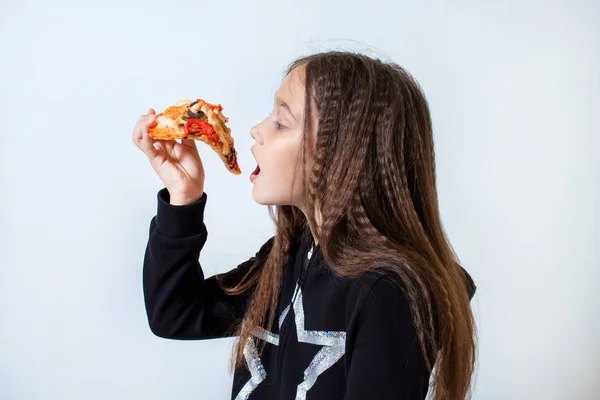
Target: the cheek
(282, 169)
(286, 159)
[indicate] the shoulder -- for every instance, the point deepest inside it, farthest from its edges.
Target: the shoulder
(379, 282)
(380, 293)
(382, 317)
(385, 289)
(265, 249)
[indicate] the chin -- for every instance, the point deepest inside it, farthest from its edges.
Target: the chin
(265, 199)
(260, 198)
(262, 202)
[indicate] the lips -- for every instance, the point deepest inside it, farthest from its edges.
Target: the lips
(254, 174)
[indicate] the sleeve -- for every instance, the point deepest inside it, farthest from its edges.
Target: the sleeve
(180, 302)
(386, 361)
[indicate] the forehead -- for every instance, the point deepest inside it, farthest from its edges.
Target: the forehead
(292, 90)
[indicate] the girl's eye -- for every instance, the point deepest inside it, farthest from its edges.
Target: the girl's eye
(279, 126)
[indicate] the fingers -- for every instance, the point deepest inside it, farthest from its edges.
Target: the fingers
(169, 146)
(146, 143)
(140, 134)
(189, 142)
(152, 112)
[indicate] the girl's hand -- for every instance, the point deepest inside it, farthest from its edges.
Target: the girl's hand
(178, 165)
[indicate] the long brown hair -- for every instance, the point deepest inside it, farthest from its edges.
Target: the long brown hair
(373, 184)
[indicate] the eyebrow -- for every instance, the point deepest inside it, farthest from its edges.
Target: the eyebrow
(285, 105)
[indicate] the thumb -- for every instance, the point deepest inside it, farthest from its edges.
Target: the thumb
(189, 143)
(151, 111)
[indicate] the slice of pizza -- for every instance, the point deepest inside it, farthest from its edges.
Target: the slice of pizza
(201, 121)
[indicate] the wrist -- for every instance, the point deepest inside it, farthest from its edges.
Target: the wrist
(177, 199)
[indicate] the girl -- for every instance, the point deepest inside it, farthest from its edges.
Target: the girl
(358, 295)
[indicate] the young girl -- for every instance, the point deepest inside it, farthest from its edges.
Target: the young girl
(359, 294)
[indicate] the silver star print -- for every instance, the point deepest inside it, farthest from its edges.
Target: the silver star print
(257, 370)
(333, 342)
(334, 347)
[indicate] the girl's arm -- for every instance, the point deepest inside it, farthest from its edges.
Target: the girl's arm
(180, 302)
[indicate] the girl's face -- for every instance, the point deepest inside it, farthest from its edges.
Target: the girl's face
(277, 179)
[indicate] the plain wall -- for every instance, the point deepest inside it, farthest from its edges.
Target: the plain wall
(514, 89)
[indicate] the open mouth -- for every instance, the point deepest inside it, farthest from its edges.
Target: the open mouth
(255, 173)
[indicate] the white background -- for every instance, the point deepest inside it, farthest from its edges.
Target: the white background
(514, 89)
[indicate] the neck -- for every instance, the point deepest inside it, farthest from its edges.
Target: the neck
(312, 229)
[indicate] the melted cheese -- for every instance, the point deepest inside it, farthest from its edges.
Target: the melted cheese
(214, 120)
(163, 120)
(182, 102)
(195, 107)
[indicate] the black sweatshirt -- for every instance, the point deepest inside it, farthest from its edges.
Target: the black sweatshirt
(335, 338)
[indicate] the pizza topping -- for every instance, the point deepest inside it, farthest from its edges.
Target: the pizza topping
(180, 103)
(216, 108)
(193, 115)
(232, 160)
(165, 121)
(200, 127)
(199, 103)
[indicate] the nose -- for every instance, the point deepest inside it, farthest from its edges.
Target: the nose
(254, 132)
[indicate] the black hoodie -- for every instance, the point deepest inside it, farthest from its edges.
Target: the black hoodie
(335, 338)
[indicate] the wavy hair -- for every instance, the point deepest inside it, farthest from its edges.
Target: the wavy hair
(372, 188)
